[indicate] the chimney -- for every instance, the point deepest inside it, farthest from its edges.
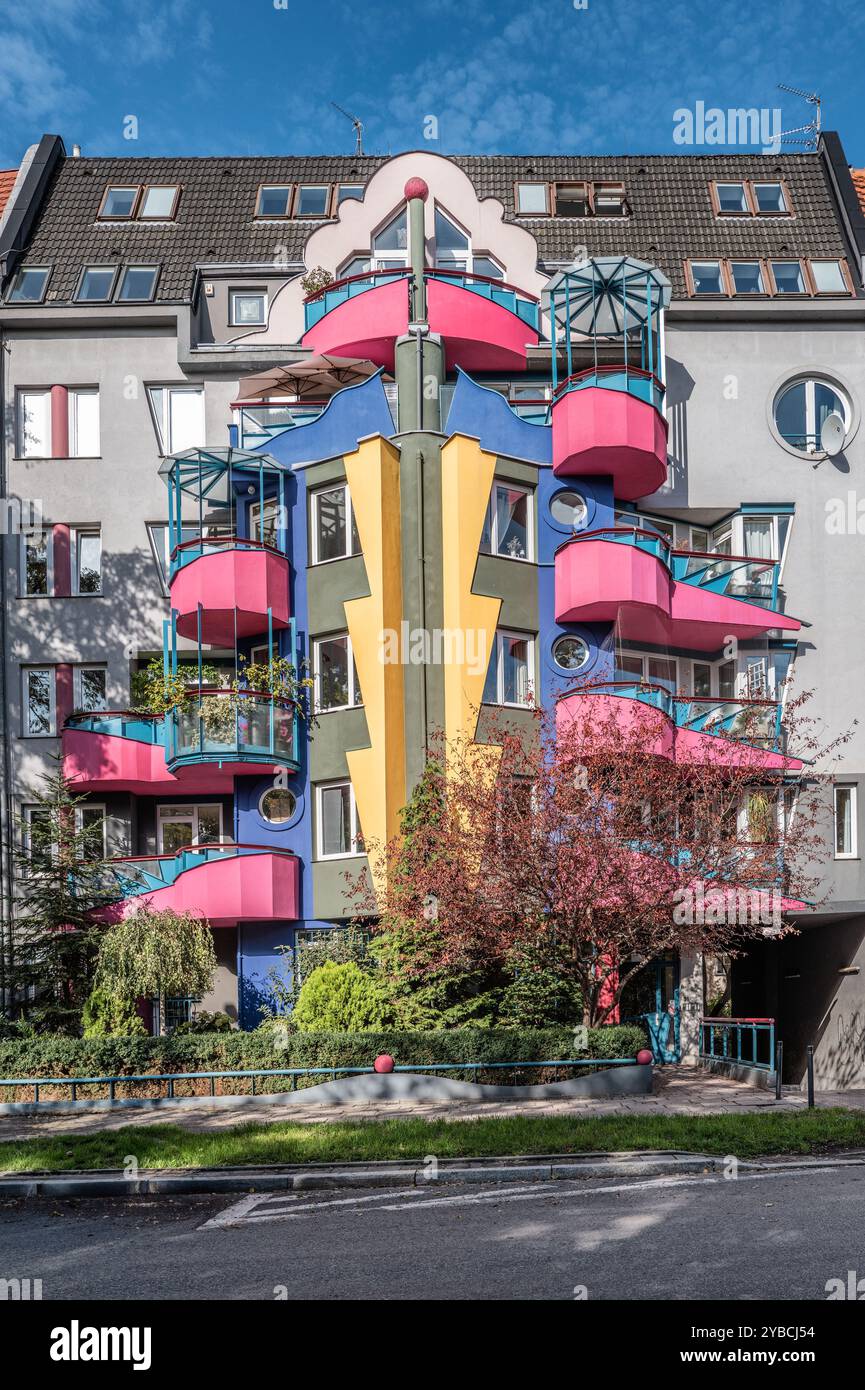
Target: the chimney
(76, 151)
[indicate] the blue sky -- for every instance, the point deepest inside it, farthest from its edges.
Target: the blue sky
(257, 76)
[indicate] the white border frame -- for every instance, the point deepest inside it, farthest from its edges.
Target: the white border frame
(353, 853)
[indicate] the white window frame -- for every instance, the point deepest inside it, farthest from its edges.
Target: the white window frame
(27, 809)
(254, 518)
(77, 673)
(260, 655)
(162, 416)
(312, 216)
(645, 657)
(172, 810)
(531, 183)
(74, 395)
(354, 852)
(51, 731)
(21, 395)
(531, 639)
(852, 788)
(349, 516)
(79, 821)
(810, 382)
(492, 520)
(353, 683)
(48, 536)
(252, 293)
(453, 260)
(75, 535)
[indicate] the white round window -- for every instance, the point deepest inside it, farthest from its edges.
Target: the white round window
(570, 653)
(277, 805)
(569, 509)
(801, 408)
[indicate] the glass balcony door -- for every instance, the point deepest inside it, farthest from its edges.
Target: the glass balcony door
(180, 827)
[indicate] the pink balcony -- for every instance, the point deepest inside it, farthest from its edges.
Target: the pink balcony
(225, 884)
(676, 727)
(352, 319)
(485, 324)
(608, 577)
(236, 582)
(613, 429)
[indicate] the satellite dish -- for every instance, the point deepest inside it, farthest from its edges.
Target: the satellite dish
(832, 433)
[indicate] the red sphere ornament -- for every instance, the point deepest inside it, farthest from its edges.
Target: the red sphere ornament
(644, 1057)
(417, 188)
(383, 1063)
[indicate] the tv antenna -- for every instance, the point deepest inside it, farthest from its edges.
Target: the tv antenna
(358, 127)
(807, 135)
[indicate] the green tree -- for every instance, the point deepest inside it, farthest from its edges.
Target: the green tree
(342, 999)
(105, 1016)
(157, 955)
(59, 883)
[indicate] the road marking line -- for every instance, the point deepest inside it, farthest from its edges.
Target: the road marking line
(235, 1212)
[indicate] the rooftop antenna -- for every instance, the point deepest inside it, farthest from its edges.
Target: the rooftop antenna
(807, 135)
(358, 127)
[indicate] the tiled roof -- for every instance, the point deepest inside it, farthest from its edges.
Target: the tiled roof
(858, 177)
(7, 183)
(670, 217)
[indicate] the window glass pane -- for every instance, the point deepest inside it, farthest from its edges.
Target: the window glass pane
(828, 277)
(331, 528)
(36, 571)
(29, 287)
(34, 425)
(758, 537)
(138, 282)
(727, 680)
(273, 200)
(209, 825)
(263, 523)
(91, 822)
(747, 277)
(770, 197)
(84, 424)
(119, 202)
(609, 201)
(843, 820)
(174, 835)
(569, 509)
(731, 197)
(491, 684)
(707, 277)
(332, 673)
(96, 283)
(158, 202)
(512, 522)
(358, 266)
(572, 199)
(515, 670)
(312, 201)
(482, 265)
(570, 653)
(788, 277)
(335, 807)
(790, 415)
(531, 197)
(448, 236)
(662, 671)
(186, 420)
(702, 678)
(38, 711)
(393, 237)
(89, 562)
(826, 402)
(91, 688)
(349, 190)
(247, 308)
(628, 667)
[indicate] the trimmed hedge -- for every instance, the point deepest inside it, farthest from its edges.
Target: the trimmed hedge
(269, 1048)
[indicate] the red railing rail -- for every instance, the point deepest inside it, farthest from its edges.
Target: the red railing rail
(439, 272)
(352, 279)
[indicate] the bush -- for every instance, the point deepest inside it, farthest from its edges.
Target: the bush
(205, 1023)
(341, 997)
(105, 1016)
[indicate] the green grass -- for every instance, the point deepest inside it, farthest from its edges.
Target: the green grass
(170, 1146)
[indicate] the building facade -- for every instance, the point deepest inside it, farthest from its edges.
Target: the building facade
(576, 429)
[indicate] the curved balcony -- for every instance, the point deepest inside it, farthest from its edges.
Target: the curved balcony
(663, 596)
(243, 732)
(228, 587)
(485, 324)
(608, 421)
(225, 884)
(683, 728)
(360, 315)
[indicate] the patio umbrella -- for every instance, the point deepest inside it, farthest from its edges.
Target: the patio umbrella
(321, 375)
(607, 295)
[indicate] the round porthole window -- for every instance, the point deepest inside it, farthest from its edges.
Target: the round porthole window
(569, 509)
(277, 805)
(570, 653)
(800, 409)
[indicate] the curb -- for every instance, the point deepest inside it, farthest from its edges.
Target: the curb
(388, 1174)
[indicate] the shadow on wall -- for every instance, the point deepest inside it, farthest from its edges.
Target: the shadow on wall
(680, 386)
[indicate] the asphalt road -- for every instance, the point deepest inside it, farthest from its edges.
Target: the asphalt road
(776, 1236)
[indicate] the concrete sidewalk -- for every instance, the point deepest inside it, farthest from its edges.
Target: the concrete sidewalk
(676, 1091)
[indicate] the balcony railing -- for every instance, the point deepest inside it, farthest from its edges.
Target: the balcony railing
(217, 725)
(190, 550)
(755, 722)
(316, 305)
(524, 305)
(142, 728)
(736, 576)
(132, 875)
(636, 381)
(259, 423)
(747, 1042)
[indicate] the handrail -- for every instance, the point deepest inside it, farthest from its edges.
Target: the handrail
(353, 279)
(609, 369)
(185, 849)
(714, 555)
(433, 272)
(232, 540)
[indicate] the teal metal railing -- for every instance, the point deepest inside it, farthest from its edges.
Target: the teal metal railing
(498, 292)
(142, 728)
(735, 576)
(130, 876)
(193, 549)
(636, 381)
(748, 1042)
(218, 725)
(754, 722)
(317, 305)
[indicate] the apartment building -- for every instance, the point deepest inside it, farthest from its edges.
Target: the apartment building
(577, 410)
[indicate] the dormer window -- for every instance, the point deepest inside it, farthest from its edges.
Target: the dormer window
(572, 199)
(732, 199)
(532, 198)
(29, 284)
(96, 284)
(312, 200)
(159, 203)
(137, 283)
(750, 198)
(273, 200)
(118, 202)
(129, 202)
(609, 199)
